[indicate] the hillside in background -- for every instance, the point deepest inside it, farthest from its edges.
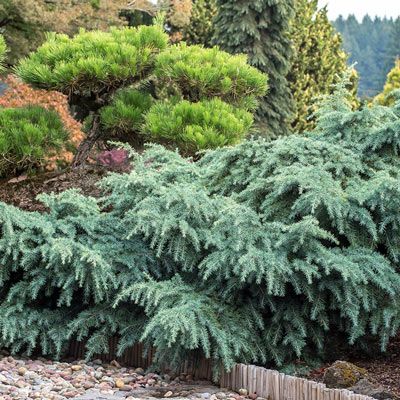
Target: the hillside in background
(373, 45)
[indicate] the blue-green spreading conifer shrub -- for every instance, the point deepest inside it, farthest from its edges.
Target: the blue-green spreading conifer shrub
(256, 253)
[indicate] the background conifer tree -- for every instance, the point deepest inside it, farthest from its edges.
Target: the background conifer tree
(201, 27)
(260, 29)
(318, 60)
(392, 84)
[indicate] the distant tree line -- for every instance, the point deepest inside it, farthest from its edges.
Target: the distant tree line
(374, 45)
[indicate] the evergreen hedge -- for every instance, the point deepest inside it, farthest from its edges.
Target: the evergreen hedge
(266, 252)
(28, 137)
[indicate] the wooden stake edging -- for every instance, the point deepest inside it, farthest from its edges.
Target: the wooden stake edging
(273, 385)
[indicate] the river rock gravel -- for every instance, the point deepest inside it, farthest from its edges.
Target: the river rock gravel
(52, 380)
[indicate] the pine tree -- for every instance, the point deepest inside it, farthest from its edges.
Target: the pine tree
(318, 60)
(392, 84)
(260, 29)
(111, 76)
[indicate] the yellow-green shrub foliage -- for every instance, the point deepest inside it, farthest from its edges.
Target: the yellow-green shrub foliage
(3, 50)
(202, 99)
(318, 60)
(116, 76)
(392, 84)
(28, 136)
(201, 27)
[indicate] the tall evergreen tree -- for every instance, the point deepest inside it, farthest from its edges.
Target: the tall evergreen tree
(392, 83)
(393, 48)
(260, 29)
(318, 61)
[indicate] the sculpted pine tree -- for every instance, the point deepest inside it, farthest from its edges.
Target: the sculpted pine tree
(318, 60)
(260, 29)
(132, 85)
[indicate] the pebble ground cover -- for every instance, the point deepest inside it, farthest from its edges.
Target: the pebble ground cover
(51, 380)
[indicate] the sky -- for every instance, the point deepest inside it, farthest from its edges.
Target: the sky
(390, 8)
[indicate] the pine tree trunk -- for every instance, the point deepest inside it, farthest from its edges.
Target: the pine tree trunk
(87, 144)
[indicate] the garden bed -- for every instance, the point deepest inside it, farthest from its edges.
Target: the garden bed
(22, 191)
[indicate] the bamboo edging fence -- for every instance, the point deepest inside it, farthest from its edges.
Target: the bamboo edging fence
(265, 383)
(273, 385)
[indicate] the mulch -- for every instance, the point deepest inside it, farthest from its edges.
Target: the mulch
(22, 191)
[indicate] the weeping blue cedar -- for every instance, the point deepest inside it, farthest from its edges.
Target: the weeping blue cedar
(263, 252)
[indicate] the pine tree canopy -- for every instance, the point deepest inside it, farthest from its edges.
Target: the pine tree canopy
(132, 84)
(260, 29)
(263, 252)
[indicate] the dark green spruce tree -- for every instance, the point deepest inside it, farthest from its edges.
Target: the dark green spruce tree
(259, 28)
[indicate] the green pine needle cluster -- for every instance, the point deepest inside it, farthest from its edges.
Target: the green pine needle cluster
(208, 124)
(28, 136)
(94, 61)
(126, 113)
(198, 73)
(263, 252)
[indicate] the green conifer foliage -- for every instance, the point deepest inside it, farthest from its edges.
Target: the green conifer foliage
(201, 27)
(262, 252)
(318, 60)
(95, 62)
(260, 29)
(28, 136)
(200, 99)
(197, 73)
